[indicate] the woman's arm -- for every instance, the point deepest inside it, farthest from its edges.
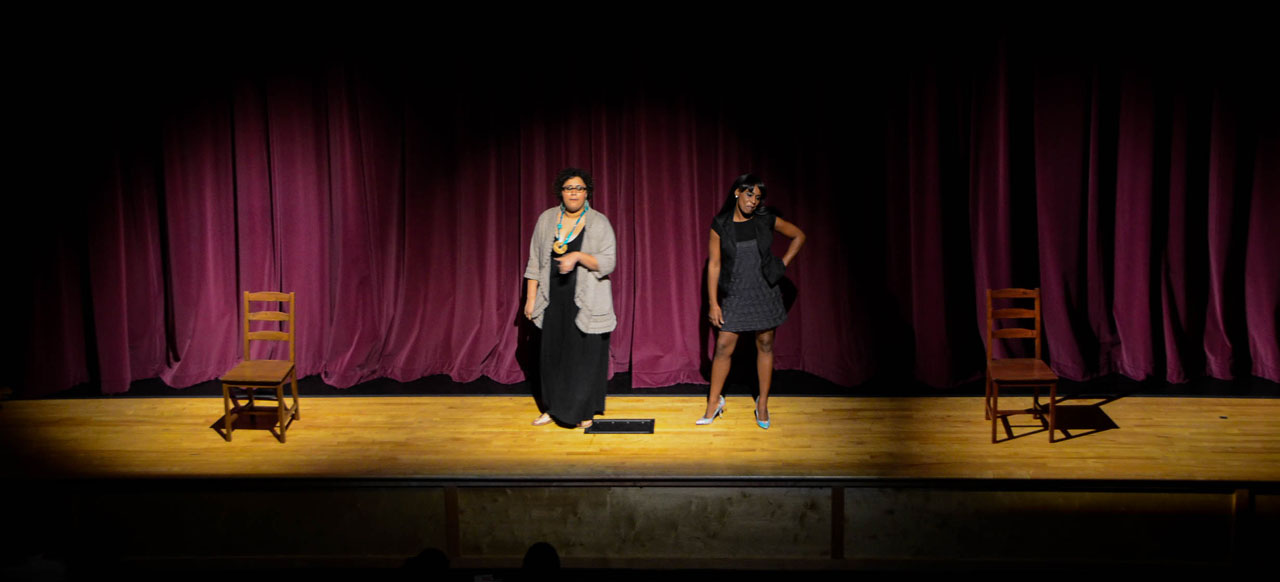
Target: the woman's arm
(603, 261)
(568, 261)
(531, 294)
(792, 232)
(532, 267)
(713, 280)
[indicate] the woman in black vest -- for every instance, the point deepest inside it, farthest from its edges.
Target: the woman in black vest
(742, 284)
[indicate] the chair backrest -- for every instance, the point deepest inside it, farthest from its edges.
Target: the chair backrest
(1012, 313)
(269, 315)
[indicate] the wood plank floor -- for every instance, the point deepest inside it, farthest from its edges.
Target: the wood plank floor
(1197, 439)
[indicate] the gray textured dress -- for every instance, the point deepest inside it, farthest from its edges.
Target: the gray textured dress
(752, 304)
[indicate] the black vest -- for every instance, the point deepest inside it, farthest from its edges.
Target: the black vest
(723, 226)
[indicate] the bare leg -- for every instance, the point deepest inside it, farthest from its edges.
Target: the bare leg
(764, 368)
(725, 342)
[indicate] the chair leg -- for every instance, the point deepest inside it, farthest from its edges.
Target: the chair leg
(226, 412)
(280, 411)
(994, 400)
(293, 378)
(986, 400)
(1053, 410)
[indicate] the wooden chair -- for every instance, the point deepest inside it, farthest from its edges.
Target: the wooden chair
(1017, 372)
(253, 375)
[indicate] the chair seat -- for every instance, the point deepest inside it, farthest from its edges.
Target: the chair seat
(1020, 370)
(266, 372)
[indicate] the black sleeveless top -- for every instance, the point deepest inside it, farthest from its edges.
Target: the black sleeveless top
(727, 229)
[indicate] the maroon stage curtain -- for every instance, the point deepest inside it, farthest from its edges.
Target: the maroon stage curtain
(1137, 187)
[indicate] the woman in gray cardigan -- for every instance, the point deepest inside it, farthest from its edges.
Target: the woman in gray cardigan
(570, 297)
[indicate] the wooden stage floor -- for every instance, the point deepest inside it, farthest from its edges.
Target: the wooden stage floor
(1229, 440)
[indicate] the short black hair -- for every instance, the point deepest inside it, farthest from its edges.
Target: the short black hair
(558, 187)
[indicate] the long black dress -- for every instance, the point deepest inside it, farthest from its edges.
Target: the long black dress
(575, 365)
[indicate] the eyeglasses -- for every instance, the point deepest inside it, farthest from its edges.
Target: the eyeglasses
(574, 188)
(749, 191)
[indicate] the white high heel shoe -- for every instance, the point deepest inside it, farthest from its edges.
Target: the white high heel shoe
(719, 410)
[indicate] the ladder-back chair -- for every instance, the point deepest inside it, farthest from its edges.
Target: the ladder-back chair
(1017, 372)
(251, 375)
